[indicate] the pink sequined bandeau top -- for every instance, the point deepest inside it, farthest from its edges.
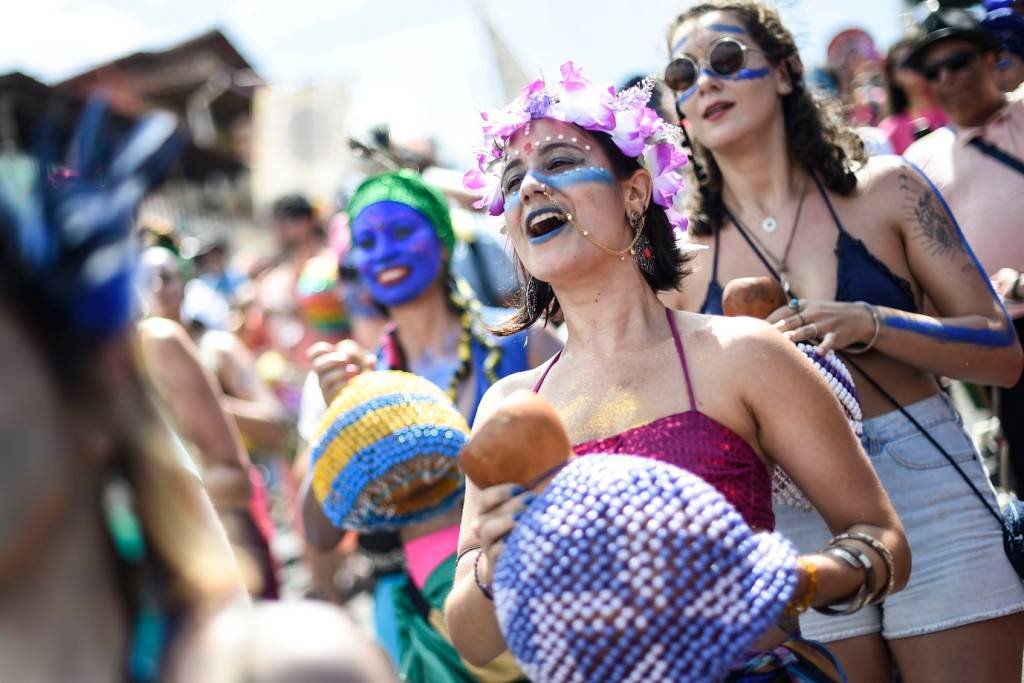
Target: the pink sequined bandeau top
(694, 442)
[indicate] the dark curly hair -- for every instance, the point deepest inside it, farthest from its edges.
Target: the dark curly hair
(670, 264)
(818, 136)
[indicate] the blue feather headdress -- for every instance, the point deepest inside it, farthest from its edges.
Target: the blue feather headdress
(71, 228)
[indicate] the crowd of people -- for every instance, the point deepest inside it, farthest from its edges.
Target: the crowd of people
(170, 406)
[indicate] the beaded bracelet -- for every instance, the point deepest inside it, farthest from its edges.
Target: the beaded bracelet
(861, 347)
(858, 560)
(798, 606)
(485, 588)
(878, 547)
(467, 551)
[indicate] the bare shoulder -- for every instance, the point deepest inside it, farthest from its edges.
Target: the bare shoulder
(883, 175)
(739, 343)
(161, 330)
(500, 390)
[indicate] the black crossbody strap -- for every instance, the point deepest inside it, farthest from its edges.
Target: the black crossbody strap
(746, 238)
(849, 361)
(1000, 155)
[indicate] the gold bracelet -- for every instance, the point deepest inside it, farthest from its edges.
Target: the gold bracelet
(799, 605)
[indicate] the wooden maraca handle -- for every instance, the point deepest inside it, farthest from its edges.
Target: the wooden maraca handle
(756, 297)
(521, 441)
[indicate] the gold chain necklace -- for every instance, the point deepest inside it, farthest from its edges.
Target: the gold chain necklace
(619, 253)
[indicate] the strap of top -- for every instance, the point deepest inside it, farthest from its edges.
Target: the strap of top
(714, 261)
(682, 357)
(679, 351)
(544, 376)
(824, 195)
(753, 247)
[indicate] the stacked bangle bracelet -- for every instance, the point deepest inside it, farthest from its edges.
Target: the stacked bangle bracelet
(861, 347)
(858, 559)
(883, 552)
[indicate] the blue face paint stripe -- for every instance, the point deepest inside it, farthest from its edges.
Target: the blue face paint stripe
(728, 28)
(955, 333)
(741, 75)
(562, 181)
(750, 74)
(577, 176)
(677, 46)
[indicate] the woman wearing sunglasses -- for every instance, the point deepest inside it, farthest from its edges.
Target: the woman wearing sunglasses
(587, 180)
(860, 248)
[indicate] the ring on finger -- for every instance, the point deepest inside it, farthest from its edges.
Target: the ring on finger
(794, 304)
(800, 317)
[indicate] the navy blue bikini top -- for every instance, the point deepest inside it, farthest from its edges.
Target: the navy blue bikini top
(860, 275)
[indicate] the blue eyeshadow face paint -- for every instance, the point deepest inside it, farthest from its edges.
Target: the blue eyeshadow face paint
(563, 181)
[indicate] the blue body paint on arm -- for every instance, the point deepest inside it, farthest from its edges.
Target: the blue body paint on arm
(953, 333)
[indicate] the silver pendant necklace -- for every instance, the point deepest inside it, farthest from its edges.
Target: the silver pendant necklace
(769, 224)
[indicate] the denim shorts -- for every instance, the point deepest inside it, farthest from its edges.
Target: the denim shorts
(960, 574)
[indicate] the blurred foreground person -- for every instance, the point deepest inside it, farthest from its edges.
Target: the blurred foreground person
(199, 404)
(112, 563)
(978, 166)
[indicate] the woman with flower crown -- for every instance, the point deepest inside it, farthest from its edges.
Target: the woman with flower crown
(586, 180)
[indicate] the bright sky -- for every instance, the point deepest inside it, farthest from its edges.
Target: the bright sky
(430, 53)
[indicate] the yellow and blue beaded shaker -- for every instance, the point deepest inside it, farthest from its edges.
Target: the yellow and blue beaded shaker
(385, 454)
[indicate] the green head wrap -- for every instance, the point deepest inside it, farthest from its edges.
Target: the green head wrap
(406, 187)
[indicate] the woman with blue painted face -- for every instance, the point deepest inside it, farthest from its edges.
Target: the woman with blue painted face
(873, 263)
(402, 240)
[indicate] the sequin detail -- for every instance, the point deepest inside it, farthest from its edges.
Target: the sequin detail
(698, 444)
(625, 568)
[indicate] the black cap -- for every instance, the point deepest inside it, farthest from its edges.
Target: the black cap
(292, 206)
(950, 22)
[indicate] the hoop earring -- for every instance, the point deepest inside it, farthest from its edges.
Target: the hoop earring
(643, 253)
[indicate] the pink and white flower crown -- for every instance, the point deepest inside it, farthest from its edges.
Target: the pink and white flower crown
(636, 129)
